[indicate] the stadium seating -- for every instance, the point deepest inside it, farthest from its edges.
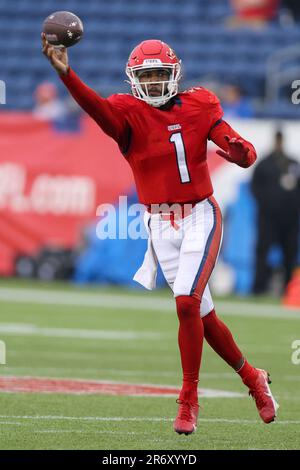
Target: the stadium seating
(196, 29)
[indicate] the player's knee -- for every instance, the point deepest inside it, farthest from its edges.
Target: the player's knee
(187, 306)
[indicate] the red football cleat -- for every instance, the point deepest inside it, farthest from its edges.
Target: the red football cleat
(186, 420)
(260, 391)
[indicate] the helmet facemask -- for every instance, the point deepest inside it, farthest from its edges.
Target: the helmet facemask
(141, 89)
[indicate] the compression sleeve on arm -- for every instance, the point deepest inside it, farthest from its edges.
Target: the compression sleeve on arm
(100, 109)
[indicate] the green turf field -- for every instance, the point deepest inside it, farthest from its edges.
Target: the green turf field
(47, 331)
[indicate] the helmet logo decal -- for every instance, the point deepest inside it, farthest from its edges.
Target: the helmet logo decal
(171, 54)
(135, 58)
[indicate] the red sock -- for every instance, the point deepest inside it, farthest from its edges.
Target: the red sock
(247, 373)
(219, 337)
(190, 340)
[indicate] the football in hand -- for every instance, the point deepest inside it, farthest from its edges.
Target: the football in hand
(63, 29)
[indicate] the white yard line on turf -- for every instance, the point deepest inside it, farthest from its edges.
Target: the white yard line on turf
(140, 419)
(13, 423)
(118, 372)
(136, 302)
(26, 329)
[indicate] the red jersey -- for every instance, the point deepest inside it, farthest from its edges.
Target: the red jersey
(165, 147)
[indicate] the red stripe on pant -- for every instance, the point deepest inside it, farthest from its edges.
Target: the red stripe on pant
(210, 253)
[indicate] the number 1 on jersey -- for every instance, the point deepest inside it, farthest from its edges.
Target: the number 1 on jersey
(176, 139)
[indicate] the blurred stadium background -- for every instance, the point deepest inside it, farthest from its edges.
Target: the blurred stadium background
(56, 167)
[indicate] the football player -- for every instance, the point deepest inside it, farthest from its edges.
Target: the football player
(163, 135)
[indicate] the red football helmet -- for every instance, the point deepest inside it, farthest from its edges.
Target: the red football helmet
(153, 54)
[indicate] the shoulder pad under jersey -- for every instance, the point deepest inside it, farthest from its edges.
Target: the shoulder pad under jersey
(203, 95)
(123, 100)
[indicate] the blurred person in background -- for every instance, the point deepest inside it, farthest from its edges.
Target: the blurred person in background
(276, 188)
(293, 8)
(254, 13)
(163, 135)
(234, 104)
(48, 106)
(64, 114)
